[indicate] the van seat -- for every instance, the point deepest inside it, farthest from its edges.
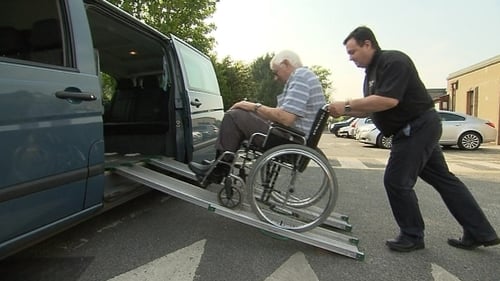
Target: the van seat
(146, 125)
(123, 101)
(151, 101)
(138, 111)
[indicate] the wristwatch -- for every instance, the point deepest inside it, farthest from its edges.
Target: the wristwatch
(257, 106)
(347, 107)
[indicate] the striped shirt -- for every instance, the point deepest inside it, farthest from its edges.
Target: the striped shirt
(302, 96)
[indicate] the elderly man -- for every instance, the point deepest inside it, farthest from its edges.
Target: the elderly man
(297, 106)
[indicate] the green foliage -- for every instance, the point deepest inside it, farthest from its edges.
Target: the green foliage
(185, 19)
(255, 81)
(235, 81)
(108, 88)
(266, 87)
(323, 75)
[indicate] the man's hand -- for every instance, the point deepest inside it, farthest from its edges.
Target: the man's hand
(245, 105)
(336, 109)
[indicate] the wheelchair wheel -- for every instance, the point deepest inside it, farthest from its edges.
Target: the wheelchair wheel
(292, 186)
(229, 195)
(306, 201)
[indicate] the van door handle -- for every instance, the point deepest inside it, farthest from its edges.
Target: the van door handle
(76, 96)
(196, 103)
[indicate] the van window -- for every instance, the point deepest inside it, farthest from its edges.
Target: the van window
(35, 36)
(199, 71)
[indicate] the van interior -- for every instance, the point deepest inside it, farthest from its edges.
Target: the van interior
(136, 116)
(133, 61)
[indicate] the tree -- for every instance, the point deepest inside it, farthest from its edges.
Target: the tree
(185, 19)
(323, 75)
(235, 81)
(266, 87)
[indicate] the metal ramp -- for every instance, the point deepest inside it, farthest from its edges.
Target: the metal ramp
(324, 237)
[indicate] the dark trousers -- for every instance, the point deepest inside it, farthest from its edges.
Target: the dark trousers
(238, 125)
(419, 154)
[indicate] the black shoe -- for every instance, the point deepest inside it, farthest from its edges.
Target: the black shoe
(405, 244)
(207, 162)
(199, 169)
(471, 244)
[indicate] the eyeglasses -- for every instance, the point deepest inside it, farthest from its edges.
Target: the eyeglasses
(275, 71)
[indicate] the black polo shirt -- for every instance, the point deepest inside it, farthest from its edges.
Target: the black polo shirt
(393, 74)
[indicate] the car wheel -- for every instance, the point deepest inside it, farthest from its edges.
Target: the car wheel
(384, 142)
(469, 141)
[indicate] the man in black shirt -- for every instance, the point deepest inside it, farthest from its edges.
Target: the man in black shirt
(398, 102)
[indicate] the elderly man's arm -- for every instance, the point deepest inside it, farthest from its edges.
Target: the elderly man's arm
(269, 113)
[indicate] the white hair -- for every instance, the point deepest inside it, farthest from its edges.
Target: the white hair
(287, 55)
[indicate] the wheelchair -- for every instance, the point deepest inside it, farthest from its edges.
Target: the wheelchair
(288, 181)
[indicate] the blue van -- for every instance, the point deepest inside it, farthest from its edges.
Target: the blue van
(84, 86)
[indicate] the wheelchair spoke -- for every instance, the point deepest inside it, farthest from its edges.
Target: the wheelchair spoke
(285, 193)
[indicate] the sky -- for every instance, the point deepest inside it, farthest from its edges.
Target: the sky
(441, 36)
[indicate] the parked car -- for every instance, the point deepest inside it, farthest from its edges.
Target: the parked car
(207, 131)
(347, 131)
(371, 135)
(465, 131)
(197, 137)
(359, 124)
(350, 131)
(334, 127)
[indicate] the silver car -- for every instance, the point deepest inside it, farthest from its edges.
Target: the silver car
(351, 131)
(465, 131)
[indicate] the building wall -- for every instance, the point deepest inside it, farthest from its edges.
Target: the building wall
(482, 82)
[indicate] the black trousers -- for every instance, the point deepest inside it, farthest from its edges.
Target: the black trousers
(238, 125)
(416, 153)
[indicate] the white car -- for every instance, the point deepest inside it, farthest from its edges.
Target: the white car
(351, 131)
(197, 137)
(361, 123)
(346, 131)
(371, 135)
(465, 131)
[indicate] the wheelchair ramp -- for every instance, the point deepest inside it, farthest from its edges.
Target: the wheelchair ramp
(325, 238)
(336, 220)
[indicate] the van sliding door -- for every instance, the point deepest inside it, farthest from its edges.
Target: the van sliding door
(203, 100)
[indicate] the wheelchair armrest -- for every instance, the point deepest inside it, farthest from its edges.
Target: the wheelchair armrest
(281, 134)
(287, 129)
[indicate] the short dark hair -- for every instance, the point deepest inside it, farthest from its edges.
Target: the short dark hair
(361, 34)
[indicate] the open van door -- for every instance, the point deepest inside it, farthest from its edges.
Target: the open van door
(203, 100)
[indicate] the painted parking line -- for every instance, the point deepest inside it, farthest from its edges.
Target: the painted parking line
(458, 167)
(469, 166)
(352, 163)
(490, 165)
(182, 264)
